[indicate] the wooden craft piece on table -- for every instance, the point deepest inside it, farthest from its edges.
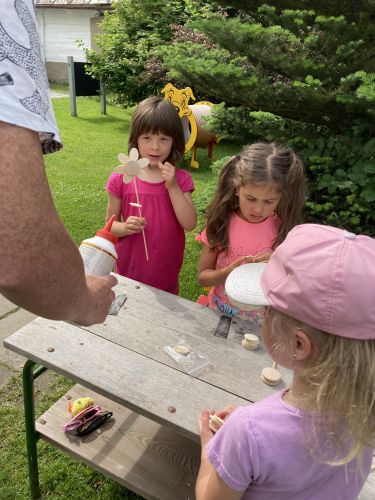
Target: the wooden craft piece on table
(215, 423)
(271, 375)
(250, 341)
(182, 349)
(132, 167)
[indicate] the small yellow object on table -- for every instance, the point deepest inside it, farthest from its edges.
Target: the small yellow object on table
(81, 404)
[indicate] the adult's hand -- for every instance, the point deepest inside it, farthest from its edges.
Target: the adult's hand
(100, 298)
(41, 268)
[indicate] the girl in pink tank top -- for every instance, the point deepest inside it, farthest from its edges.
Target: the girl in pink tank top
(259, 198)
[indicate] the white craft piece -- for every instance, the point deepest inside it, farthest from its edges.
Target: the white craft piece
(271, 375)
(243, 287)
(250, 341)
(133, 204)
(215, 423)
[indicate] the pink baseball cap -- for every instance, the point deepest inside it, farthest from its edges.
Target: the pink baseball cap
(322, 276)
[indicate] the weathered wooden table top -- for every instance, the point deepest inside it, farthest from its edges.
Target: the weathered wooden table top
(124, 359)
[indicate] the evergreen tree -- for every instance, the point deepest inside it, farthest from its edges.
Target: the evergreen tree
(299, 72)
(126, 62)
(302, 65)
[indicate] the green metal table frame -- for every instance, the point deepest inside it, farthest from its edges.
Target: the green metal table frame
(31, 371)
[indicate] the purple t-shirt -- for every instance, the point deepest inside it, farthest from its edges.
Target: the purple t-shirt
(261, 450)
(165, 237)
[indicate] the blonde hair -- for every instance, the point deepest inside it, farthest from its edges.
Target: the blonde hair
(340, 377)
(259, 164)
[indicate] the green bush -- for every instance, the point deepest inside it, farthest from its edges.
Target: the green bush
(340, 168)
(341, 172)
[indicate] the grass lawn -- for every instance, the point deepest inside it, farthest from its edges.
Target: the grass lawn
(77, 175)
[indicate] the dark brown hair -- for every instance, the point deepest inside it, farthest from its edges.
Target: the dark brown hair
(258, 164)
(155, 115)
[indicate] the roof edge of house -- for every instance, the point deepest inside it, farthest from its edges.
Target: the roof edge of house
(50, 4)
(67, 6)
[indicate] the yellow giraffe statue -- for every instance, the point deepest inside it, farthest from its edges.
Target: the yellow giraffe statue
(192, 122)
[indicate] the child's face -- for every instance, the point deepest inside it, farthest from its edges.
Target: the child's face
(257, 202)
(155, 147)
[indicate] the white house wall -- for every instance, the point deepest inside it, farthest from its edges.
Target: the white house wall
(59, 31)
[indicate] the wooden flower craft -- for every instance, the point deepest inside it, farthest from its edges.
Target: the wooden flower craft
(132, 167)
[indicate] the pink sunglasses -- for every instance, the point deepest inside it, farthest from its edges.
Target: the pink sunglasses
(87, 420)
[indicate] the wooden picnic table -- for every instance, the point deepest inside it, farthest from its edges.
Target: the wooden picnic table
(124, 361)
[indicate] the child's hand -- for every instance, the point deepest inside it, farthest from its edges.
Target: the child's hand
(260, 257)
(236, 263)
(204, 430)
(225, 412)
(134, 225)
(168, 173)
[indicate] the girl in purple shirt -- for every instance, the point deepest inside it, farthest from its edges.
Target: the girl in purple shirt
(315, 440)
(167, 207)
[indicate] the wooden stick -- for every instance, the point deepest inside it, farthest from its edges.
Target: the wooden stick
(140, 215)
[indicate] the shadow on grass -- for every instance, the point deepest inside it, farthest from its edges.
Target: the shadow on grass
(99, 120)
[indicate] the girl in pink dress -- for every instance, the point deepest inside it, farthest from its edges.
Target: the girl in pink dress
(167, 207)
(259, 198)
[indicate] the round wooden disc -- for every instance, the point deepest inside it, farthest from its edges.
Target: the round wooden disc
(215, 423)
(270, 376)
(250, 337)
(250, 341)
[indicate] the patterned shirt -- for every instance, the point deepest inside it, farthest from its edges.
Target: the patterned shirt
(24, 90)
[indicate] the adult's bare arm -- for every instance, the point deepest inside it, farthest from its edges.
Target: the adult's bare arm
(40, 267)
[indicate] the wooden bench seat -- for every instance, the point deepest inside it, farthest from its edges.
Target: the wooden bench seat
(149, 459)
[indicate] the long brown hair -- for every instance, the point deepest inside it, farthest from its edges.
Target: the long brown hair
(155, 115)
(258, 164)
